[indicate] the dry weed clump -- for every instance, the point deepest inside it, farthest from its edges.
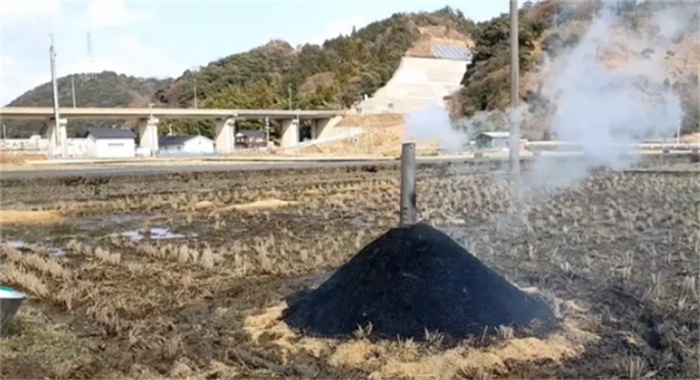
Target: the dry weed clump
(106, 317)
(79, 248)
(46, 266)
(25, 280)
(108, 257)
(9, 253)
(100, 253)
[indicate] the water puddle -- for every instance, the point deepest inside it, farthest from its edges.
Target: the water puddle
(16, 244)
(21, 244)
(57, 252)
(156, 233)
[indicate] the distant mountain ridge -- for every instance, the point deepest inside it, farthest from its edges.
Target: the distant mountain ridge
(105, 89)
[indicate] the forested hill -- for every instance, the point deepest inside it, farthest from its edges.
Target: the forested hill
(332, 75)
(105, 89)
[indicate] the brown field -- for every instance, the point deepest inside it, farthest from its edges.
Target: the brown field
(13, 158)
(8, 217)
(185, 275)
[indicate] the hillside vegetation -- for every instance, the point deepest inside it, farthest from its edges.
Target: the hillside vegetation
(330, 76)
(105, 89)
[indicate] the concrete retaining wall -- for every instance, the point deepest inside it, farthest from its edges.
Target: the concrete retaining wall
(416, 82)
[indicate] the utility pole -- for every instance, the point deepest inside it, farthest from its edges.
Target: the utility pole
(514, 73)
(267, 132)
(56, 114)
(4, 132)
(514, 120)
(152, 132)
(195, 92)
(289, 95)
(72, 88)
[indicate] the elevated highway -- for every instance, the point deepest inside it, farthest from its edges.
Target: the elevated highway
(224, 119)
(95, 113)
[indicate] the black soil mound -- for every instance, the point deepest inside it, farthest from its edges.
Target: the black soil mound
(409, 280)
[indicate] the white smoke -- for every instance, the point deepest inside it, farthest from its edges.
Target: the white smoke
(432, 124)
(603, 109)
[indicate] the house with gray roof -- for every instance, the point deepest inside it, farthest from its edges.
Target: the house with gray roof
(185, 145)
(110, 143)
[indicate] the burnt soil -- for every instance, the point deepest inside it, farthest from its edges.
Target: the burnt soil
(410, 280)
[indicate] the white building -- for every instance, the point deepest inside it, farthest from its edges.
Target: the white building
(33, 143)
(185, 145)
(77, 147)
(110, 143)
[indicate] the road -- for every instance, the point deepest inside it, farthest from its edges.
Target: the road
(471, 164)
(154, 169)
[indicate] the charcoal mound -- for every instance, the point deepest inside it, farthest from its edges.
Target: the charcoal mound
(408, 280)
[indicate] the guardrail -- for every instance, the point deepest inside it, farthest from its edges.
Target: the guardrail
(569, 146)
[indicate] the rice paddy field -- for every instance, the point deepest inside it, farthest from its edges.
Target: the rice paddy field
(187, 275)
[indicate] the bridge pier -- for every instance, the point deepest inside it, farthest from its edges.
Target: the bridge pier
(290, 133)
(224, 140)
(148, 134)
(58, 137)
(325, 128)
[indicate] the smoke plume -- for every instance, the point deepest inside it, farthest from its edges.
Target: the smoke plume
(602, 106)
(432, 124)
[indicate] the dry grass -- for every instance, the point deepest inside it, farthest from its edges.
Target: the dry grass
(39, 337)
(382, 136)
(265, 204)
(16, 158)
(29, 217)
(25, 280)
(691, 138)
(388, 360)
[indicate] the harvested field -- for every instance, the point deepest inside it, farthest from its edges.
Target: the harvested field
(189, 275)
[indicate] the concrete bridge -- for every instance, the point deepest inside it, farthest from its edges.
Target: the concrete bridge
(323, 122)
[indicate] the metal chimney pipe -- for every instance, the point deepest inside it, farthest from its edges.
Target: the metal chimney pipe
(408, 185)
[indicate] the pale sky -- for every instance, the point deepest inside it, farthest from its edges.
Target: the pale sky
(165, 38)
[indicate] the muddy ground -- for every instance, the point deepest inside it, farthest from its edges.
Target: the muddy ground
(183, 275)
